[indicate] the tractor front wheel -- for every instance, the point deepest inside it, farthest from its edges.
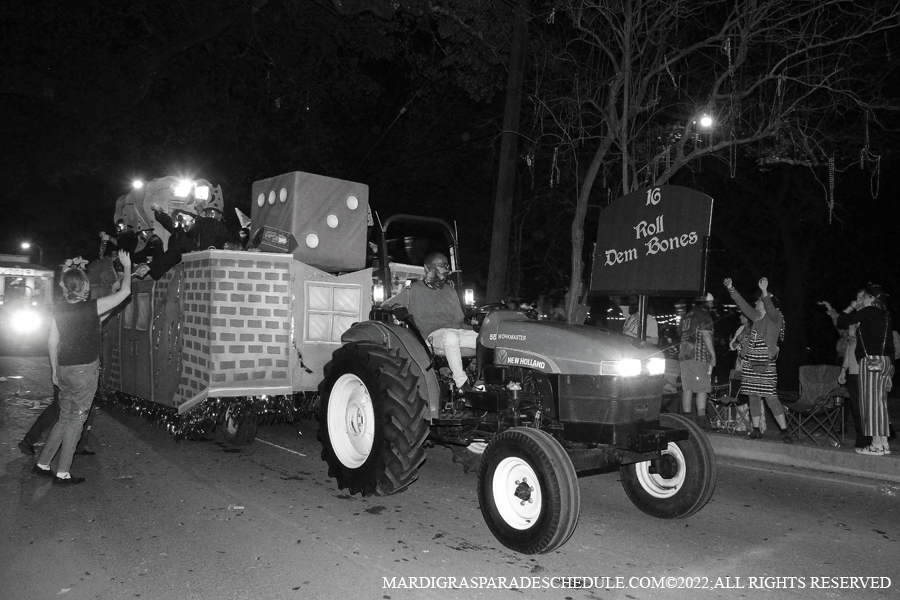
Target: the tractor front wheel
(528, 491)
(681, 481)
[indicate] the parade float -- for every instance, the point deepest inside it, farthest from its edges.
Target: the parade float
(255, 328)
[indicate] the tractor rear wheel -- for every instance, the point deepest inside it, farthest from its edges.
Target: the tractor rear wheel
(681, 481)
(372, 419)
(528, 491)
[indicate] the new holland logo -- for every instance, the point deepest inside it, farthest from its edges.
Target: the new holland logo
(526, 362)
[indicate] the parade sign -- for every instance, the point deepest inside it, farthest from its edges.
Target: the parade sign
(653, 242)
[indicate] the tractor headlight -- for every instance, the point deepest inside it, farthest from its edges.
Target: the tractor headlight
(632, 367)
(656, 366)
(26, 321)
(627, 367)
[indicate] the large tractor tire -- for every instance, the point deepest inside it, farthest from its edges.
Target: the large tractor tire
(682, 481)
(528, 491)
(239, 427)
(372, 419)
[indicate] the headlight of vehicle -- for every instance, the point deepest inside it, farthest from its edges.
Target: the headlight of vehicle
(656, 366)
(26, 321)
(628, 367)
(632, 367)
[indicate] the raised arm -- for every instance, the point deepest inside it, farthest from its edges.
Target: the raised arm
(107, 303)
(750, 312)
(162, 218)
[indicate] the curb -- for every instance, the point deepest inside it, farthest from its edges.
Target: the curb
(819, 458)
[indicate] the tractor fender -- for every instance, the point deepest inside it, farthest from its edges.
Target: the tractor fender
(396, 336)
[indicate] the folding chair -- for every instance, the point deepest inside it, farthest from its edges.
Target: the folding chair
(820, 408)
(729, 409)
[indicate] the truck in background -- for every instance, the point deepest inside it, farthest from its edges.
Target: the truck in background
(26, 304)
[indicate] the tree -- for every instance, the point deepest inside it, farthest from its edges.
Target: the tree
(623, 86)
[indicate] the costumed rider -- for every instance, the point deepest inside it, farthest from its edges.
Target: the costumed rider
(435, 306)
(180, 241)
(144, 245)
(210, 230)
(126, 238)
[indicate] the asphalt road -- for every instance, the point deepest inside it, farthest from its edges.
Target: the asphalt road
(161, 519)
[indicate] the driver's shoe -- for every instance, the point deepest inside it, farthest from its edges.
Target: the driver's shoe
(468, 386)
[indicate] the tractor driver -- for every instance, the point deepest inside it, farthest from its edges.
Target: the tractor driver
(434, 304)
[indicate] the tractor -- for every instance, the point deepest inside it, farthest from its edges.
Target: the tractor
(548, 400)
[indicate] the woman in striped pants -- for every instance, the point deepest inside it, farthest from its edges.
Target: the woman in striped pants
(875, 353)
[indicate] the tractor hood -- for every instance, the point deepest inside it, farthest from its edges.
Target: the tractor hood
(554, 347)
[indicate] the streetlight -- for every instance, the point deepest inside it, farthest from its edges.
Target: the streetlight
(29, 245)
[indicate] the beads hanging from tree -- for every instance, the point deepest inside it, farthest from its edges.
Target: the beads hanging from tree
(830, 188)
(865, 155)
(554, 169)
(529, 161)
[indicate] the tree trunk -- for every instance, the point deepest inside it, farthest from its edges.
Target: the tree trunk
(506, 177)
(576, 308)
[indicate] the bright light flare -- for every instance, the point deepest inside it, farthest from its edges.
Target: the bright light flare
(629, 367)
(183, 188)
(26, 321)
(656, 366)
(201, 192)
(378, 293)
(469, 295)
(706, 121)
(137, 184)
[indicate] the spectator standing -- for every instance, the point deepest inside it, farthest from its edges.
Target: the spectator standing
(759, 376)
(630, 326)
(849, 375)
(74, 347)
(875, 353)
(697, 357)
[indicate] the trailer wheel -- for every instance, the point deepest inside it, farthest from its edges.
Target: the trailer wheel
(528, 491)
(239, 428)
(372, 419)
(469, 456)
(682, 480)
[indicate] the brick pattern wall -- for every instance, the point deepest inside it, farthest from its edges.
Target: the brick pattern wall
(112, 336)
(113, 370)
(236, 320)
